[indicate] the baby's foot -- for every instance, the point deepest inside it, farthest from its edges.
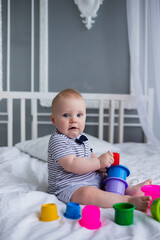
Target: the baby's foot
(135, 190)
(141, 203)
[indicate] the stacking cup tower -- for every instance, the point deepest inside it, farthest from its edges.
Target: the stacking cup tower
(116, 177)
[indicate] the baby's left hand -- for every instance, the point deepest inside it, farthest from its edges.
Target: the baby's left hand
(106, 160)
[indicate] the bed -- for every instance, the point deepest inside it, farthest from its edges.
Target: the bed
(23, 168)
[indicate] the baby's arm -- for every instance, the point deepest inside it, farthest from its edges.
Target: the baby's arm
(79, 165)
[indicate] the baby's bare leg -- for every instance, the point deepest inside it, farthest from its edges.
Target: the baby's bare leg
(88, 195)
(135, 190)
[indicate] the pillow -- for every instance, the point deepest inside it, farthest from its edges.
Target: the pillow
(38, 148)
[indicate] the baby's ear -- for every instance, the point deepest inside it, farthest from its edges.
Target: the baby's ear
(52, 119)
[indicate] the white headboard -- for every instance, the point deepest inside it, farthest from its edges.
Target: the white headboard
(111, 112)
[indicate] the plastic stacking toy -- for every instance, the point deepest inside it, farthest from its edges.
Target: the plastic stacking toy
(119, 171)
(155, 209)
(151, 190)
(124, 213)
(116, 178)
(90, 217)
(115, 185)
(49, 212)
(116, 159)
(72, 211)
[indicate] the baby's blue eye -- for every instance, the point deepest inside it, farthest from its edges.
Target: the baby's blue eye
(65, 115)
(79, 115)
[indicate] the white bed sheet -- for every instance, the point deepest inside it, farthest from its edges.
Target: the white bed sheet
(23, 185)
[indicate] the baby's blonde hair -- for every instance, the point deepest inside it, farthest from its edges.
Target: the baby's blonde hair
(66, 93)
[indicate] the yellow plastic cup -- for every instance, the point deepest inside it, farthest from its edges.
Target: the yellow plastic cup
(49, 212)
(155, 209)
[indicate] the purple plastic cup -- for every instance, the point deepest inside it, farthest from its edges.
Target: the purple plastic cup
(115, 185)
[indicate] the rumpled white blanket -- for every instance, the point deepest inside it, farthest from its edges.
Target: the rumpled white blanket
(23, 186)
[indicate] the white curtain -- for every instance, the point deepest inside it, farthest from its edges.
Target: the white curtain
(43, 50)
(143, 18)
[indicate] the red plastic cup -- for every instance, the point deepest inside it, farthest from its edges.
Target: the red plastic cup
(90, 217)
(116, 157)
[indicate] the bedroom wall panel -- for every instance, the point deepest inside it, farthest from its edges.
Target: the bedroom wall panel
(95, 60)
(78, 58)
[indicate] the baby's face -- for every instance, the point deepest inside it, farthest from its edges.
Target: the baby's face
(69, 116)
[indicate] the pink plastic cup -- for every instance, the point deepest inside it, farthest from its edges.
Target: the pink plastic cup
(151, 190)
(90, 217)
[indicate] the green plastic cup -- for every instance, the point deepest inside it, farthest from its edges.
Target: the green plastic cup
(155, 209)
(124, 213)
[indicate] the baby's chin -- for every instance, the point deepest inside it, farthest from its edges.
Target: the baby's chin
(73, 134)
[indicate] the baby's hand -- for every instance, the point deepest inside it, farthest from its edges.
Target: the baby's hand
(106, 159)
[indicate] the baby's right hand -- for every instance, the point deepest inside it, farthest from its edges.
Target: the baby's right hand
(106, 160)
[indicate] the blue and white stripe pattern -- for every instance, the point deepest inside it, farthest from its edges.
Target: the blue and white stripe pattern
(58, 178)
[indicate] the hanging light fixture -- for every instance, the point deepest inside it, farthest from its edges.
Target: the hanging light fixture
(88, 9)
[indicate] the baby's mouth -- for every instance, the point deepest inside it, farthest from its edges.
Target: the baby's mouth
(72, 128)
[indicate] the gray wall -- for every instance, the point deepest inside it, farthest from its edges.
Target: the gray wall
(95, 60)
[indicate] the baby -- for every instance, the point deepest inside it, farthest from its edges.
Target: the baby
(75, 173)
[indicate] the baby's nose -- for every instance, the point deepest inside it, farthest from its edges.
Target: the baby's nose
(74, 119)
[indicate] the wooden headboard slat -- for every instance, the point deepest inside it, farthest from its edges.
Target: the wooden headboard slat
(108, 110)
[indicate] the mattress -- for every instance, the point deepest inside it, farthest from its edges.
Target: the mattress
(23, 190)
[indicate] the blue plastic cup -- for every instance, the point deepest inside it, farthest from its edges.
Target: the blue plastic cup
(72, 210)
(118, 171)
